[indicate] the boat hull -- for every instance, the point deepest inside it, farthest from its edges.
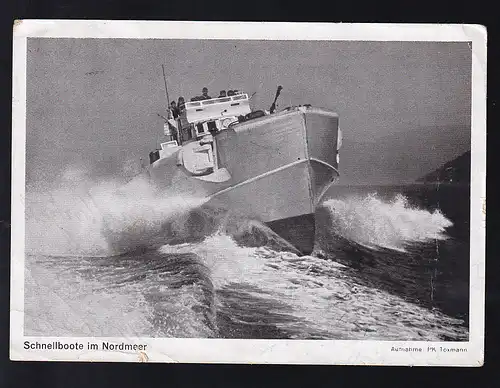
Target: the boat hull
(277, 169)
(299, 230)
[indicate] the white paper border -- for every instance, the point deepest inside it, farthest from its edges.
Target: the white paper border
(256, 351)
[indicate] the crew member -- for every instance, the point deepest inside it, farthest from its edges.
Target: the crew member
(204, 94)
(181, 104)
(174, 109)
(222, 93)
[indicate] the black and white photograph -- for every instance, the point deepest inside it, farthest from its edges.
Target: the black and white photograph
(313, 197)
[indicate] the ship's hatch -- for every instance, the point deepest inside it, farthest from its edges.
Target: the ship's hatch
(198, 158)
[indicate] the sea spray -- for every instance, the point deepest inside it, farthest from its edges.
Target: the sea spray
(81, 216)
(261, 291)
(374, 222)
(219, 286)
(64, 303)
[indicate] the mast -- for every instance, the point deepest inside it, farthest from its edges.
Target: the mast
(166, 89)
(169, 111)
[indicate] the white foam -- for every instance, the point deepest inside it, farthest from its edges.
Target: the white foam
(61, 302)
(374, 222)
(83, 217)
(327, 300)
(72, 218)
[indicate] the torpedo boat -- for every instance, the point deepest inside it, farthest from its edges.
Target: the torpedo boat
(273, 167)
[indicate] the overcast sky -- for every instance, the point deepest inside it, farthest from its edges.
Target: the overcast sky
(95, 101)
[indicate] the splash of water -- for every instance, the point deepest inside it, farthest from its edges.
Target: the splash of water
(84, 217)
(306, 296)
(374, 222)
(62, 302)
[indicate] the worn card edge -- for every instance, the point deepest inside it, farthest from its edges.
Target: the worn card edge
(257, 351)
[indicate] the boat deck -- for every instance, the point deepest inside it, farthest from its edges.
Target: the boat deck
(197, 159)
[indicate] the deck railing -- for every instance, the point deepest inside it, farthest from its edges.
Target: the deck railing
(219, 100)
(215, 108)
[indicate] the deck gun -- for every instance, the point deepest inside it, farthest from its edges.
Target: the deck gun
(273, 106)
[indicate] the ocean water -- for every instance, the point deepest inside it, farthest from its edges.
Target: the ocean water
(106, 259)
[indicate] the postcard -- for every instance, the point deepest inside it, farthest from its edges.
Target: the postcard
(270, 193)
